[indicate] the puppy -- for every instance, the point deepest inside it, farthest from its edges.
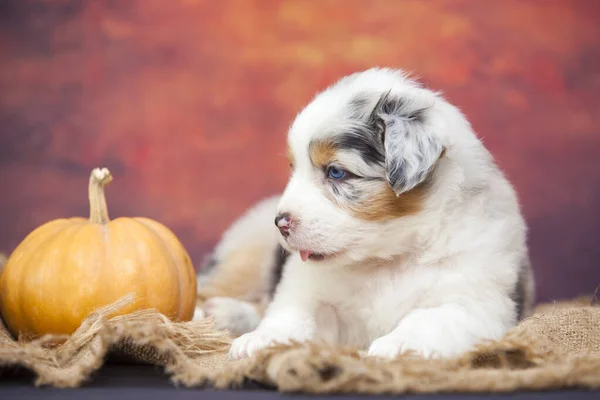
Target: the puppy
(397, 232)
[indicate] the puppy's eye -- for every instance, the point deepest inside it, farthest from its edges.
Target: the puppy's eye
(336, 173)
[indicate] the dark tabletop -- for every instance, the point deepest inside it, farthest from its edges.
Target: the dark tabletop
(137, 382)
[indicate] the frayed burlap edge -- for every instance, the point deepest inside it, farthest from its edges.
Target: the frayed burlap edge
(145, 336)
(523, 360)
(558, 347)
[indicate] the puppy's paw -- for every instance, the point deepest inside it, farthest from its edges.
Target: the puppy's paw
(248, 344)
(392, 345)
(199, 314)
(385, 347)
(446, 332)
(236, 316)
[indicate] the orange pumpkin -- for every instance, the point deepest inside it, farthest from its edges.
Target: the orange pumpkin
(67, 268)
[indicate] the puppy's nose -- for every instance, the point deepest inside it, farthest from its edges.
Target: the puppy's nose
(283, 222)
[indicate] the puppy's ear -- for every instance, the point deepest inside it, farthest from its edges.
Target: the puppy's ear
(411, 151)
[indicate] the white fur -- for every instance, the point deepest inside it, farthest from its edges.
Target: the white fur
(437, 282)
(233, 315)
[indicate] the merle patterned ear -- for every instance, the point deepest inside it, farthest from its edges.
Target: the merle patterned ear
(411, 151)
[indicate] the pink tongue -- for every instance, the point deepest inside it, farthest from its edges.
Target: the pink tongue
(304, 254)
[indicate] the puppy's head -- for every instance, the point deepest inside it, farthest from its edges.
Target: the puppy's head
(363, 154)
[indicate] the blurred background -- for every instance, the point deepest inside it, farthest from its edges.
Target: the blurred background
(188, 102)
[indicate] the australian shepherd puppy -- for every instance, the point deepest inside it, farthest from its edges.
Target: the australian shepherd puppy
(396, 232)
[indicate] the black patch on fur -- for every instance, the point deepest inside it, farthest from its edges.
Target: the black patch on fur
(397, 178)
(365, 143)
(398, 106)
(403, 109)
(352, 193)
(281, 256)
(336, 190)
(519, 293)
(393, 106)
(370, 140)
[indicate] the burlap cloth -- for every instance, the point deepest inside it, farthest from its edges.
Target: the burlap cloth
(558, 347)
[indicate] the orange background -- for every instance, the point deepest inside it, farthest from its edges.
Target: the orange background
(188, 102)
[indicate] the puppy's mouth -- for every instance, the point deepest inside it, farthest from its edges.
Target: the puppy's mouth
(309, 255)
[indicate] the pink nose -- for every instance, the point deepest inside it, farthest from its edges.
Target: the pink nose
(283, 222)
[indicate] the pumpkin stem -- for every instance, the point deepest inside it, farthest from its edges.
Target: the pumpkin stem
(98, 211)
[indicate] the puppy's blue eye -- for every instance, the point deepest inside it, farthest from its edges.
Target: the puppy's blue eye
(336, 173)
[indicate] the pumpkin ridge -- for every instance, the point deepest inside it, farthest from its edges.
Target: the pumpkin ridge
(41, 253)
(187, 274)
(105, 234)
(123, 224)
(27, 249)
(173, 262)
(37, 252)
(74, 233)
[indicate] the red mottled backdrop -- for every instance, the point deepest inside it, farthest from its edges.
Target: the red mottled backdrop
(188, 102)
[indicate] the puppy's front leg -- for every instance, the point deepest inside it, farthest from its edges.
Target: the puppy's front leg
(444, 331)
(281, 324)
(291, 316)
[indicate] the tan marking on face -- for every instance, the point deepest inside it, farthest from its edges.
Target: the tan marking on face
(290, 157)
(377, 206)
(322, 152)
(385, 205)
(380, 205)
